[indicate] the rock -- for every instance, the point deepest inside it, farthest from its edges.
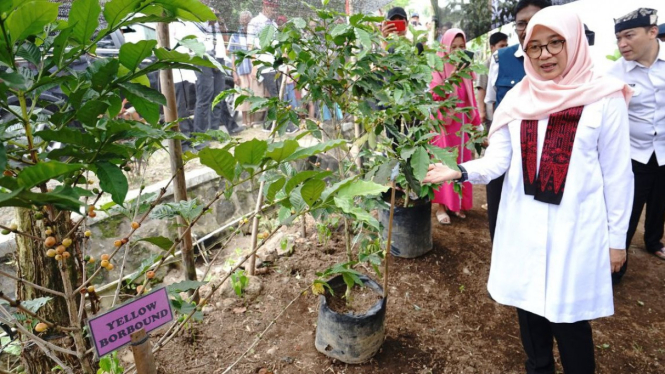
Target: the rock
(267, 254)
(288, 360)
(227, 303)
(207, 309)
(466, 271)
(272, 351)
(205, 291)
(126, 356)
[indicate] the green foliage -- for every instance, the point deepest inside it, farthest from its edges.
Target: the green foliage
(239, 282)
(110, 364)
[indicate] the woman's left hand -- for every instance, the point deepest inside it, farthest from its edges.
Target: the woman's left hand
(617, 258)
(439, 172)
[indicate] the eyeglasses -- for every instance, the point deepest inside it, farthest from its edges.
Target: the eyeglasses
(554, 48)
(521, 25)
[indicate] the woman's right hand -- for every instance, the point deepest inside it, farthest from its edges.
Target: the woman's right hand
(438, 173)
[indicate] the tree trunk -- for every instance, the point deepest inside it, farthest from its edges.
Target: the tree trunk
(34, 266)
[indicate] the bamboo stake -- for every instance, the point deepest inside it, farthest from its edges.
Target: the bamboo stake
(175, 149)
(255, 230)
(388, 244)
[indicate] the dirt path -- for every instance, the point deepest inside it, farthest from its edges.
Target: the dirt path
(439, 319)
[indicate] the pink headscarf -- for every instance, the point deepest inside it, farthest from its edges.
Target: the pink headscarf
(448, 69)
(534, 98)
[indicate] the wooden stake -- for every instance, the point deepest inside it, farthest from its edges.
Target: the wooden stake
(143, 358)
(255, 230)
(175, 149)
(388, 244)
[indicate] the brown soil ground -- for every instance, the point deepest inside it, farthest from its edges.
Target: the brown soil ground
(439, 317)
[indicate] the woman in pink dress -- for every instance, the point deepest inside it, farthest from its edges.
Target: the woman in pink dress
(453, 41)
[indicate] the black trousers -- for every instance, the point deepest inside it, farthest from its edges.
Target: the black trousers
(574, 340)
(649, 190)
(493, 190)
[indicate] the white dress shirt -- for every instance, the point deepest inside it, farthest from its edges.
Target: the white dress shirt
(647, 106)
(490, 96)
(553, 260)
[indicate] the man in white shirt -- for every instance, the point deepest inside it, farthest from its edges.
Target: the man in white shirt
(643, 68)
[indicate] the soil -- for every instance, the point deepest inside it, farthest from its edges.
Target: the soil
(440, 318)
(359, 302)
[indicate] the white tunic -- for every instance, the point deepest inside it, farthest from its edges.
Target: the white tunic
(553, 260)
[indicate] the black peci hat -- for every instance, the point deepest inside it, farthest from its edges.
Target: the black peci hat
(638, 18)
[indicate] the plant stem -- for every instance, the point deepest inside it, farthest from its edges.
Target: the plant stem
(406, 197)
(255, 229)
(388, 242)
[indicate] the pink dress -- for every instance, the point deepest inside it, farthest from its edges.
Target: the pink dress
(449, 136)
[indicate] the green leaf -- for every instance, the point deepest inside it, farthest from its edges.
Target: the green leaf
(102, 72)
(14, 80)
(340, 29)
(160, 241)
(188, 10)
(420, 163)
(89, 113)
(172, 56)
(112, 180)
(132, 54)
(299, 23)
(297, 201)
(251, 152)
(84, 16)
(68, 135)
(44, 171)
(194, 45)
(144, 103)
(316, 149)
(30, 18)
(348, 206)
(4, 197)
(219, 160)
(446, 156)
(35, 304)
(281, 150)
(184, 286)
(295, 180)
(116, 10)
(60, 44)
(30, 52)
(361, 188)
(311, 190)
(335, 187)
(266, 36)
(365, 39)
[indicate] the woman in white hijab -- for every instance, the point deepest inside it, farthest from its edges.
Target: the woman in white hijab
(561, 136)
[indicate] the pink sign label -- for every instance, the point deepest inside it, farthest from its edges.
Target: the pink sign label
(112, 329)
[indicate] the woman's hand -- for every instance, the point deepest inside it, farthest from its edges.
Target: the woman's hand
(617, 258)
(439, 172)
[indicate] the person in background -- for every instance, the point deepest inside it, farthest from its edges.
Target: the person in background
(560, 137)
(210, 81)
(454, 40)
(642, 66)
(281, 20)
(661, 32)
(242, 74)
(415, 20)
(445, 27)
(497, 41)
(506, 70)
